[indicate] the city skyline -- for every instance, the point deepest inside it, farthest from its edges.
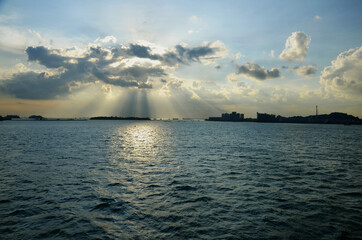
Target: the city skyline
(167, 59)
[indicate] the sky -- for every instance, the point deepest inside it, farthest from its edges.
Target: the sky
(190, 59)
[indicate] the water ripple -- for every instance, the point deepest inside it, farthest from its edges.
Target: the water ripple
(179, 180)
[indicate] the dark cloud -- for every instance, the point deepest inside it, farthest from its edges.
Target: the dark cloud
(98, 53)
(141, 52)
(171, 59)
(180, 54)
(93, 66)
(194, 54)
(255, 71)
(31, 85)
(99, 64)
(44, 57)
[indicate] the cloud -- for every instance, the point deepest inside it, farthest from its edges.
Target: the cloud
(45, 57)
(107, 39)
(255, 71)
(316, 17)
(232, 77)
(194, 54)
(94, 65)
(174, 84)
(180, 54)
(135, 66)
(141, 52)
(209, 51)
(238, 56)
(305, 70)
(344, 76)
(296, 47)
(32, 85)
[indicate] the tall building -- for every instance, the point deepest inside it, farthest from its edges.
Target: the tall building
(233, 117)
(265, 117)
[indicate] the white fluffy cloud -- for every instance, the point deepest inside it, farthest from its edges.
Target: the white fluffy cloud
(296, 47)
(344, 76)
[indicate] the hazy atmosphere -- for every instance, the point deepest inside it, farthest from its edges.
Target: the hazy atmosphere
(190, 59)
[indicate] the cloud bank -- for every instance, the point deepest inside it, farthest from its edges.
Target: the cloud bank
(134, 65)
(344, 76)
(296, 47)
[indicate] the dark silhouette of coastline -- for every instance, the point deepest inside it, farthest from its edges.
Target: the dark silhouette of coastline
(38, 118)
(118, 118)
(41, 118)
(228, 117)
(9, 117)
(332, 118)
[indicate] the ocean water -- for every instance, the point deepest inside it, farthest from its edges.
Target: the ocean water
(179, 180)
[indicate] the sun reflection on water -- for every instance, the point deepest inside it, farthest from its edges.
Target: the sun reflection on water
(137, 159)
(140, 141)
(138, 146)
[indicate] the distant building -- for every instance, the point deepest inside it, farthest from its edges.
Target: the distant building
(225, 116)
(265, 117)
(228, 117)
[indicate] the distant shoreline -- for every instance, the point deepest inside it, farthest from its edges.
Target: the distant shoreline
(332, 118)
(119, 118)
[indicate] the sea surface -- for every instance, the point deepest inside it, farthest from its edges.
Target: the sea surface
(179, 180)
